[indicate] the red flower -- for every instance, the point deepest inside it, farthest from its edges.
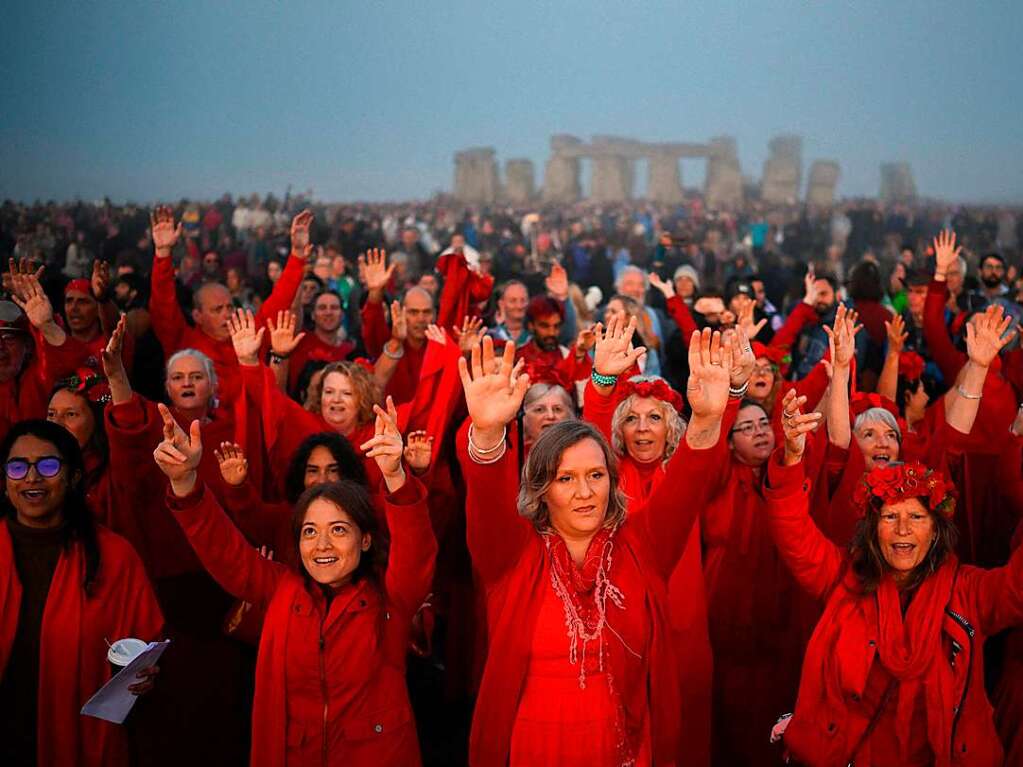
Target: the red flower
(657, 388)
(911, 365)
(899, 482)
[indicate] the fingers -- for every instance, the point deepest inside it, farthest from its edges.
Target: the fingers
(195, 434)
(169, 424)
(476, 356)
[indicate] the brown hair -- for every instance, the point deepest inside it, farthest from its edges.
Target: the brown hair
(366, 389)
(354, 500)
(542, 466)
(869, 564)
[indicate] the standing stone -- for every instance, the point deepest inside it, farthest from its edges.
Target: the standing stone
(723, 188)
(783, 171)
(897, 184)
(476, 177)
(820, 189)
(664, 182)
(613, 174)
(518, 181)
(561, 174)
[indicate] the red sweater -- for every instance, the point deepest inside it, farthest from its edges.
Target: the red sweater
(73, 654)
(330, 677)
(829, 719)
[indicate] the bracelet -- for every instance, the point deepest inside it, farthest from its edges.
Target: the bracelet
(602, 380)
(480, 451)
(740, 392)
(277, 359)
(487, 461)
(395, 355)
(966, 395)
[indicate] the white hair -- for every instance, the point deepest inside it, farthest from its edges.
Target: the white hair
(632, 269)
(878, 415)
(207, 366)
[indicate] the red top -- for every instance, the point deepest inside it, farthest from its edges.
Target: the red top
(175, 334)
(310, 348)
(73, 654)
(830, 714)
(375, 333)
(330, 676)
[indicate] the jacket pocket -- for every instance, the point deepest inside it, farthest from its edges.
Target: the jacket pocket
(380, 723)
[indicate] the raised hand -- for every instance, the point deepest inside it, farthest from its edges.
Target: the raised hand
(385, 446)
(666, 287)
(986, 335)
(710, 365)
(418, 451)
(613, 352)
(743, 360)
(585, 341)
(244, 336)
(374, 271)
(399, 323)
(945, 252)
(234, 466)
(557, 282)
(746, 321)
(796, 426)
(809, 281)
(897, 335)
(842, 339)
(29, 295)
(283, 339)
(113, 364)
(100, 281)
(300, 224)
(436, 334)
(165, 234)
(494, 388)
(469, 334)
(12, 279)
(178, 455)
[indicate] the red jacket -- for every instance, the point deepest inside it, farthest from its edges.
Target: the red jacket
(330, 678)
(828, 723)
(175, 334)
(73, 654)
(375, 333)
(511, 560)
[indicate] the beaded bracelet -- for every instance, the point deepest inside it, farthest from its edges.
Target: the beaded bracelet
(602, 380)
(395, 355)
(277, 359)
(966, 395)
(740, 392)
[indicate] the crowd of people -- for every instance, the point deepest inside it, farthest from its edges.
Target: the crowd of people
(580, 485)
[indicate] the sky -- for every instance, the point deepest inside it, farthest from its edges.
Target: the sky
(369, 101)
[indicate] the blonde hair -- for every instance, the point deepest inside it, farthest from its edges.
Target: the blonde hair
(367, 390)
(675, 423)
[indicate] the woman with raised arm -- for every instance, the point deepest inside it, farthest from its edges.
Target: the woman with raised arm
(894, 672)
(640, 418)
(878, 434)
(581, 667)
(330, 677)
(67, 587)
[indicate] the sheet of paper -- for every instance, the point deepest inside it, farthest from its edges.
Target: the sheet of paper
(114, 701)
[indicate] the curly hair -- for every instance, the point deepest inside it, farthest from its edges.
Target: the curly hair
(675, 423)
(367, 390)
(541, 468)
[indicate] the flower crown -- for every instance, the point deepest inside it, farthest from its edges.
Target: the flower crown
(911, 365)
(657, 388)
(900, 481)
(89, 384)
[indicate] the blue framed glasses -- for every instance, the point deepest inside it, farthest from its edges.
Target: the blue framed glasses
(47, 467)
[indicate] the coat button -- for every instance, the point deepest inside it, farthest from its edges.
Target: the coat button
(831, 726)
(378, 728)
(387, 616)
(872, 643)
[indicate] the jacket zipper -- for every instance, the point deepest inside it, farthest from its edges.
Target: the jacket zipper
(323, 690)
(965, 625)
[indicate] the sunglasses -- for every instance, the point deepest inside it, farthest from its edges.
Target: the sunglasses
(48, 467)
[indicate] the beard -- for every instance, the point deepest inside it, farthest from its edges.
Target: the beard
(991, 282)
(547, 344)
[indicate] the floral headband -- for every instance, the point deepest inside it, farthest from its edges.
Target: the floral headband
(656, 387)
(911, 365)
(88, 383)
(901, 481)
(544, 372)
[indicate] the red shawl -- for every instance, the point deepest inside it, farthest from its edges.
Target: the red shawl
(463, 289)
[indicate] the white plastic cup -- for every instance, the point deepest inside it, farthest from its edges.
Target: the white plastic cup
(124, 651)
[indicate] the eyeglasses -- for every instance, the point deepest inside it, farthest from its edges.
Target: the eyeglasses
(764, 370)
(749, 428)
(47, 467)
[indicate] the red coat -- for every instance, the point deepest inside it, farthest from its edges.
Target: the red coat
(512, 562)
(829, 719)
(73, 654)
(375, 333)
(330, 679)
(312, 348)
(175, 334)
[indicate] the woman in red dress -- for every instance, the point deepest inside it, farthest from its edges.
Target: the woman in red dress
(604, 692)
(67, 586)
(330, 677)
(894, 672)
